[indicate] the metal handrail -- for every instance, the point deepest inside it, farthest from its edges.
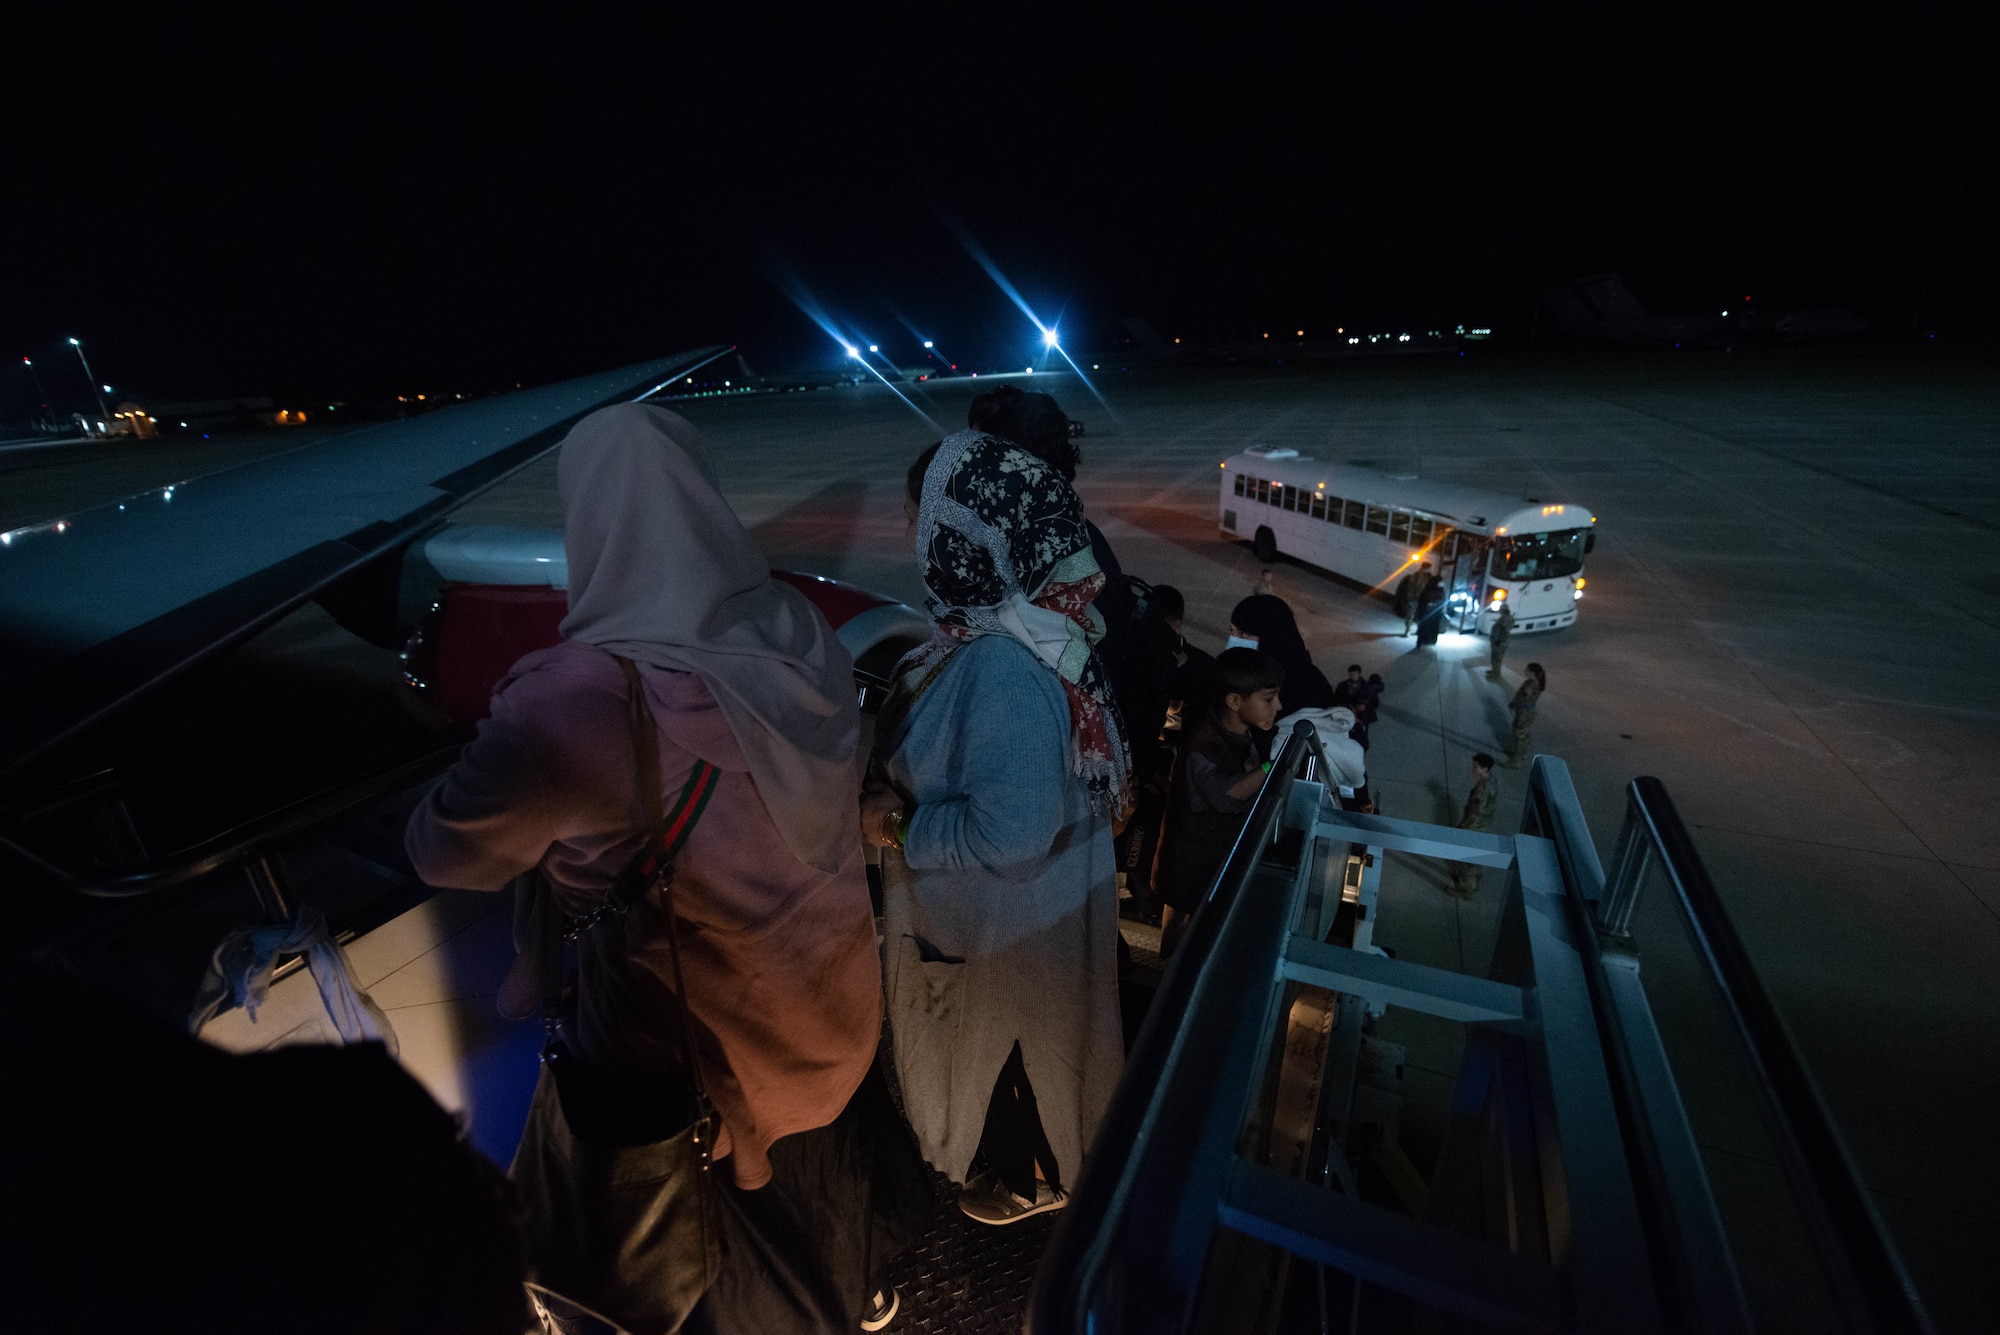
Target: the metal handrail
(1079, 1247)
(1558, 817)
(1685, 1237)
(1856, 1246)
(306, 816)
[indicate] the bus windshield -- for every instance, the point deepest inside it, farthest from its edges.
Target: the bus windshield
(1539, 555)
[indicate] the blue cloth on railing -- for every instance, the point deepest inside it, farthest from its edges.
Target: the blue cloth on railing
(239, 974)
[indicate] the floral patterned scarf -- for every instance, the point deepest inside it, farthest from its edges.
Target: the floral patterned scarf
(1006, 551)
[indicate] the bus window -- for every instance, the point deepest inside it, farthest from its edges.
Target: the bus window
(1333, 509)
(1378, 520)
(1399, 526)
(1420, 530)
(1352, 515)
(1239, 484)
(1447, 542)
(1319, 507)
(1539, 555)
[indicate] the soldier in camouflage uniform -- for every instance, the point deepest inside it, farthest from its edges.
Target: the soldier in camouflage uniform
(1414, 594)
(1478, 815)
(1523, 705)
(1503, 630)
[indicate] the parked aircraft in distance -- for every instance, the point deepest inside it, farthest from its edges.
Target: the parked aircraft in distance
(1601, 306)
(1139, 344)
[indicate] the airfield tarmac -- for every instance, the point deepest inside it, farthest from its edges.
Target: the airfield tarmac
(1790, 621)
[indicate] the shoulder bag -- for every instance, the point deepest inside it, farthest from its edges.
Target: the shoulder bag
(615, 1170)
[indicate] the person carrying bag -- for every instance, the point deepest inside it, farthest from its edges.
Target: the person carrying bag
(710, 1146)
(616, 1171)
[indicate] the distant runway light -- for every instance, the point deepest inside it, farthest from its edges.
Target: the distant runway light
(873, 348)
(927, 343)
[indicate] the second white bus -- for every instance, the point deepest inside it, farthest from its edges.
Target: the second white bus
(1375, 528)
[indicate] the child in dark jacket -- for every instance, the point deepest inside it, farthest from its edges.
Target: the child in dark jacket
(1215, 782)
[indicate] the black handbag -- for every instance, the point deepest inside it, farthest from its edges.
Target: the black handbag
(616, 1169)
(623, 1109)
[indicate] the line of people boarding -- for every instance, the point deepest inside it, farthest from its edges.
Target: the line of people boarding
(674, 796)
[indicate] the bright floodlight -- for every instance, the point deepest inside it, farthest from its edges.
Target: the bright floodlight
(1049, 337)
(853, 351)
(873, 348)
(74, 344)
(927, 343)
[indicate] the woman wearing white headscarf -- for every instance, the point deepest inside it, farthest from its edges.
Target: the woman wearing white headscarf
(771, 911)
(1005, 766)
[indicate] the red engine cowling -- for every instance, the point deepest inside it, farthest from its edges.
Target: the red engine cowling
(506, 592)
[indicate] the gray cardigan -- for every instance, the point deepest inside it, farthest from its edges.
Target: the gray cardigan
(1001, 915)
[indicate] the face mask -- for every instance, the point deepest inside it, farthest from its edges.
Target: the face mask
(1238, 642)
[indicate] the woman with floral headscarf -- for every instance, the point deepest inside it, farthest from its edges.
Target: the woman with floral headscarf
(1004, 764)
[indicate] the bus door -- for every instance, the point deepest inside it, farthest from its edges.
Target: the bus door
(1461, 565)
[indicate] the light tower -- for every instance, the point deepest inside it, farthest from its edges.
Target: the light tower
(41, 394)
(102, 406)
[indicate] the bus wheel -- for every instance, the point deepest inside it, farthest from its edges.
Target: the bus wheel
(1265, 544)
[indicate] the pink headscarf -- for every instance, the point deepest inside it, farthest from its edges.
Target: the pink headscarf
(661, 572)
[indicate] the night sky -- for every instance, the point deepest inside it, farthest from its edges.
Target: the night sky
(459, 199)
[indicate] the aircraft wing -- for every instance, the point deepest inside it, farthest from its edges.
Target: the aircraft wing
(99, 606)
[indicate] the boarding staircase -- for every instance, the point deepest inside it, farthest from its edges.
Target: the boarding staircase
(1620, 1153)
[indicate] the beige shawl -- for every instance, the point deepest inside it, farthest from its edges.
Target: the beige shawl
(662, 572)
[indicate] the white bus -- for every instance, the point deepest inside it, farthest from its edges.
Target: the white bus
(1375, 527)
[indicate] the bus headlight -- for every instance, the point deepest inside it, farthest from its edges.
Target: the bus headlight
(1578, 591)
(1499, 597)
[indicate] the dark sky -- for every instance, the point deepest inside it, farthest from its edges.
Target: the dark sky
(457, 199)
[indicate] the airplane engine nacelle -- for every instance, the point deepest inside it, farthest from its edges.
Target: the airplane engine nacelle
(506, 591)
